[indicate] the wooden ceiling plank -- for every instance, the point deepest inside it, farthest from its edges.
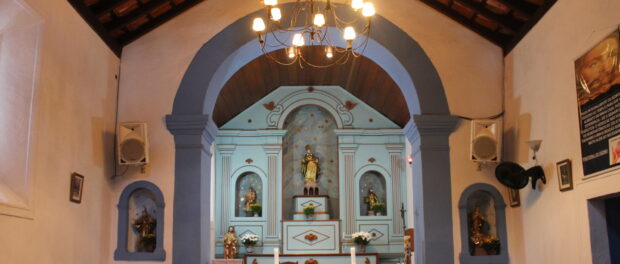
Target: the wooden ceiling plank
(521, 6)
(147, 27)
(505, 21)
(528, 26)
(93, 22)
(142, 10)
(105, 6)
(482, 31)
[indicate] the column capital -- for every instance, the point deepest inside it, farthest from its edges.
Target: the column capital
(272, 149)
(348, 148)
(190, 125)
(430, 125)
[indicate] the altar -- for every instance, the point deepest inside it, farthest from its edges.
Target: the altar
(304, 169)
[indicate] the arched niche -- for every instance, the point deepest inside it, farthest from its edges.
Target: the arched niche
(247, 176)
(248, 190)
(377, 178)
(482, 216)
(137, 198)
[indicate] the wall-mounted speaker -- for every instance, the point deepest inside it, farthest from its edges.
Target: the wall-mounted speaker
(132, 144)
(486, 139)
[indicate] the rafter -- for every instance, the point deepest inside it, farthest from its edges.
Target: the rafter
(506, 22)
(142, 10)
(526, 8)
(105, 6)
(87, 14)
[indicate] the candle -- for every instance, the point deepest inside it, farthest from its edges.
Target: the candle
(276, 256)
(353, 261)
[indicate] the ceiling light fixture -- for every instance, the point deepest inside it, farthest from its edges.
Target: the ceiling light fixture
(308, 27)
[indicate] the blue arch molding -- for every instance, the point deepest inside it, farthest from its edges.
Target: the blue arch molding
(190, 97)
(121, 252)
(194, 132)
(500, 207)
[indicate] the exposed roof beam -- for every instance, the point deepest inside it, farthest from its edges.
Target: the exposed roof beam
(142, 10)
(536, 16)
(105, 6)
(506, 22)
(521, 6)
(148, 26)
(484, 32)
(93, 22)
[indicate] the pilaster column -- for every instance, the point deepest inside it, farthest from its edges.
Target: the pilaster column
(226, 152)
(348, 152)
(396, 166)
(429, 137)
(273, 152)
(193, 135)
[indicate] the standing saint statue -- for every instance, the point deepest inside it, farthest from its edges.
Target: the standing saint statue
(250, 198)
(145, 225)
(230, 243)
(476, 222)
(310, 170)
(371, 199)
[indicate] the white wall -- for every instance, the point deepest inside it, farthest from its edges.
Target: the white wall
(74, 113)
(541, 103)
(152, 67)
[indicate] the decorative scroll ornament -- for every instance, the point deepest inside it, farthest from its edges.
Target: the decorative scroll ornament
(311, 261)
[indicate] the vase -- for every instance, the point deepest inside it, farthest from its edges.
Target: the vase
(378, 213)
(361, 248)
(371, 213)
(249, 248)
(309, 217)
(479, 251)
(256, 215)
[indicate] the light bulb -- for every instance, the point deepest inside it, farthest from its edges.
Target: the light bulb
(276, 14)
(271, 2)
(259, 24)
(349, 33)
(368, 10)
(291, 52)
(356, 4)
(319, 20)
(298, 40)
(329, 53)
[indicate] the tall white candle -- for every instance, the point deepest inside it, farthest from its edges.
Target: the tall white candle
(276, 256)
(353, 260)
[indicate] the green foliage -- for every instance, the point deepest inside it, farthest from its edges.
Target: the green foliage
(309, 209)
(378, 207)
(491, 245)
(256, 208)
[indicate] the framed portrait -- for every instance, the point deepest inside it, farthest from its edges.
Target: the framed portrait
(565, 175)
(76, 187)
(513, 197)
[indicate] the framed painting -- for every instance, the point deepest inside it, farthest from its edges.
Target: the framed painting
(76, 187)
(565, 175)
(513, 197)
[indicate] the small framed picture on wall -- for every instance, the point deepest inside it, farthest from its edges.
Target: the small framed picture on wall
(76, 187)
(565, 175)
(513, 197)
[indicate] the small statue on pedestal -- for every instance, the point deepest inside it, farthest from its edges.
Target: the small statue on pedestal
(145, 225)
(230, 243)
(476, 222)
(370, 200)
(250, 198)
(310, 170)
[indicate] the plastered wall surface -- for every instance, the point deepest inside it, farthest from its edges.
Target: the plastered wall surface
(74, 115)
(152, 67)
(541, 103)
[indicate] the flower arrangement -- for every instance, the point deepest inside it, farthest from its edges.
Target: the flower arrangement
(256, 209)
(378, 207)
(249, 239)
(491, 245)
(361, 238)
(309, 209)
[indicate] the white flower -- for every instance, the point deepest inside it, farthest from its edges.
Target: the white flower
(249, 238)
(362, 235)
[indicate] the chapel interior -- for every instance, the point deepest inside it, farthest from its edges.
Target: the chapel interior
(310, 131)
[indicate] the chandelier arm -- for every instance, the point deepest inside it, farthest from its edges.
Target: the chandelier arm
(280, 62)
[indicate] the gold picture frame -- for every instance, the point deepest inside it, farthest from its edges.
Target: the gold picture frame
(76, 187)
(565, 175)
(514, 197)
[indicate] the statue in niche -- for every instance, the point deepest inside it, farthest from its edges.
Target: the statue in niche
(230, 243)
(370, 200)
(477, 235)
(145, 226)
(310, 170)
(250, 198)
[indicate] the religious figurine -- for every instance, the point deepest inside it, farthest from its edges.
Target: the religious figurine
(476, 222)
(371, 199)
(310, 170)
(145, 225)
(250, 198)
(230, 243)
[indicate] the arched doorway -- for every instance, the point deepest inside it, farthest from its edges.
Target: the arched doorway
(194, 131)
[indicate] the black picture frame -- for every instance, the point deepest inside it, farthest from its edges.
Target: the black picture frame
(565, 175)
(76, 187)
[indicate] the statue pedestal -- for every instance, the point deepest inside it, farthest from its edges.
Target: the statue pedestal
(320, 211)
(227, 261)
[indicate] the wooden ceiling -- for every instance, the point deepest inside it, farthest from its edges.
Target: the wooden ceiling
(119, 22)
(503, 22)
(360, 76)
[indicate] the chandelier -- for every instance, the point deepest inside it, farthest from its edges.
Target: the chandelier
(308, 27)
